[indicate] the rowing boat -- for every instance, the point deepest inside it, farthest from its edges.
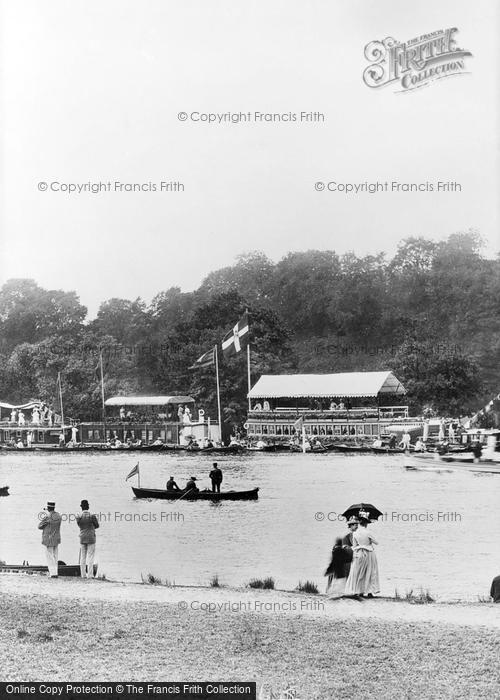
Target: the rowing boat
(62, 569)
(250, 495)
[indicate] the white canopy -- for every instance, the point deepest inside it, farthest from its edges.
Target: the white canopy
(147, 400)
(344, 384)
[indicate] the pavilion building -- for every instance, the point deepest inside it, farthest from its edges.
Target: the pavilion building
(362, 404)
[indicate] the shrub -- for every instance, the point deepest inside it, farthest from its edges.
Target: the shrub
(307, 587)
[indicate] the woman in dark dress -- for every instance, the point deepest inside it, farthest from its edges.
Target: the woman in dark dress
(336, 570)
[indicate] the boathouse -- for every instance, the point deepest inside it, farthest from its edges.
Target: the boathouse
(169, 419)
(336, 405)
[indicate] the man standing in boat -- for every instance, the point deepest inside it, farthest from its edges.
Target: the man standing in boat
(50, 524)
(216, 478)
(88, 524)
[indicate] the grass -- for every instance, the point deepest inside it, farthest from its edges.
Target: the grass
(317, 656)
(152, 580)
(262, 583)
(420, 598)
(307, 587)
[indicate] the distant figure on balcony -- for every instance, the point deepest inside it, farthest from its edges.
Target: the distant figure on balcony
(342, 406)
(333, 406)
(13, 416)
(186, 418)
(35, 416)
(122, 414)
(50, 416)
(20, 418)
(180, 413)
(266, 407)
(257, 407)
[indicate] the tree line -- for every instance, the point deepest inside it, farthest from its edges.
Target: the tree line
(431, 313)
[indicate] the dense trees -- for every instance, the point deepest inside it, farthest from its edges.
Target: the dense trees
(431, 313)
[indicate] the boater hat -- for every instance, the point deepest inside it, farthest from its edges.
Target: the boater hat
(193, 478)
(51, 504)
(353, 520)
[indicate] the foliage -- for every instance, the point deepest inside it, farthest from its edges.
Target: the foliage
(431, 314)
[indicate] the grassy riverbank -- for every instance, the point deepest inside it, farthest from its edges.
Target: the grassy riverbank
(80, 636)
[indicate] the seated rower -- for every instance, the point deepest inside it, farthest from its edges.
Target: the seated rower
(377, 443)
(191, 486)
(157, 442)
(171, 485)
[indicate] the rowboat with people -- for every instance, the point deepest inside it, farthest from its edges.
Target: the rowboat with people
(192, 495)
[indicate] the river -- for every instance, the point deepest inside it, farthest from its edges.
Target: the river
(439, 531)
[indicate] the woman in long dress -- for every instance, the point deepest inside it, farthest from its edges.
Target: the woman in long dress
(363, 577)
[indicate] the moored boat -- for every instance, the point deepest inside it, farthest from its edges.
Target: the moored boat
(4, 491)
(250, 495)
(438, 463)
(62, 569)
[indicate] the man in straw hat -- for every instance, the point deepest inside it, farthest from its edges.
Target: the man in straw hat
(50, 524)
(88, 524)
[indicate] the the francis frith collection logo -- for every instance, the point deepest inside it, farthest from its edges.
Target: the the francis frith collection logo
(416, 62)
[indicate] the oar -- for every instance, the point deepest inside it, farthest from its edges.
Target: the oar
(184, 494)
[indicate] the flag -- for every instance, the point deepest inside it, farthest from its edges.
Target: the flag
(237, 338)
(206, 360)
(134, 471)
(299, 424)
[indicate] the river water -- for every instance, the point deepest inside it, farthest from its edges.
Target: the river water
(439, 531)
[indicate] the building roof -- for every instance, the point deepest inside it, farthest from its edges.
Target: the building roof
(344, 384)
(146, 400)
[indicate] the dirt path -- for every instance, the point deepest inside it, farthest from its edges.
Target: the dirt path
(232, 600)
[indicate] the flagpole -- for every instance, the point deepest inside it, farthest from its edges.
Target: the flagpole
(102, 395)
(61, 401)
(249, 377)
(218, 392)
(138, 476)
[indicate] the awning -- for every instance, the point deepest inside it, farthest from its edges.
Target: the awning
(342, 385)
(30, 404)
(147, 400)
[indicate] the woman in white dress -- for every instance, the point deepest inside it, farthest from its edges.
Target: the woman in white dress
(363, 577)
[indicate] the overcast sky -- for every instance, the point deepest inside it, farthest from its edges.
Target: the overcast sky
(91, 91)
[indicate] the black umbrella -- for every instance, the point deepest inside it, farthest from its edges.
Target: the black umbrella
(360, 510)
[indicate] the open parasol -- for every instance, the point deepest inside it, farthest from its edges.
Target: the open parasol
(358, 509)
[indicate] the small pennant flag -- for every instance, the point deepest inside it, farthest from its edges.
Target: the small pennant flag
(134, 471)
(206, 360)
(237, 338)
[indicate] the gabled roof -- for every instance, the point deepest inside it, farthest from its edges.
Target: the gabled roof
(146, 400)
(344, 384)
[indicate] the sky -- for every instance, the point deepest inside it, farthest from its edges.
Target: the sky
(92, 92)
